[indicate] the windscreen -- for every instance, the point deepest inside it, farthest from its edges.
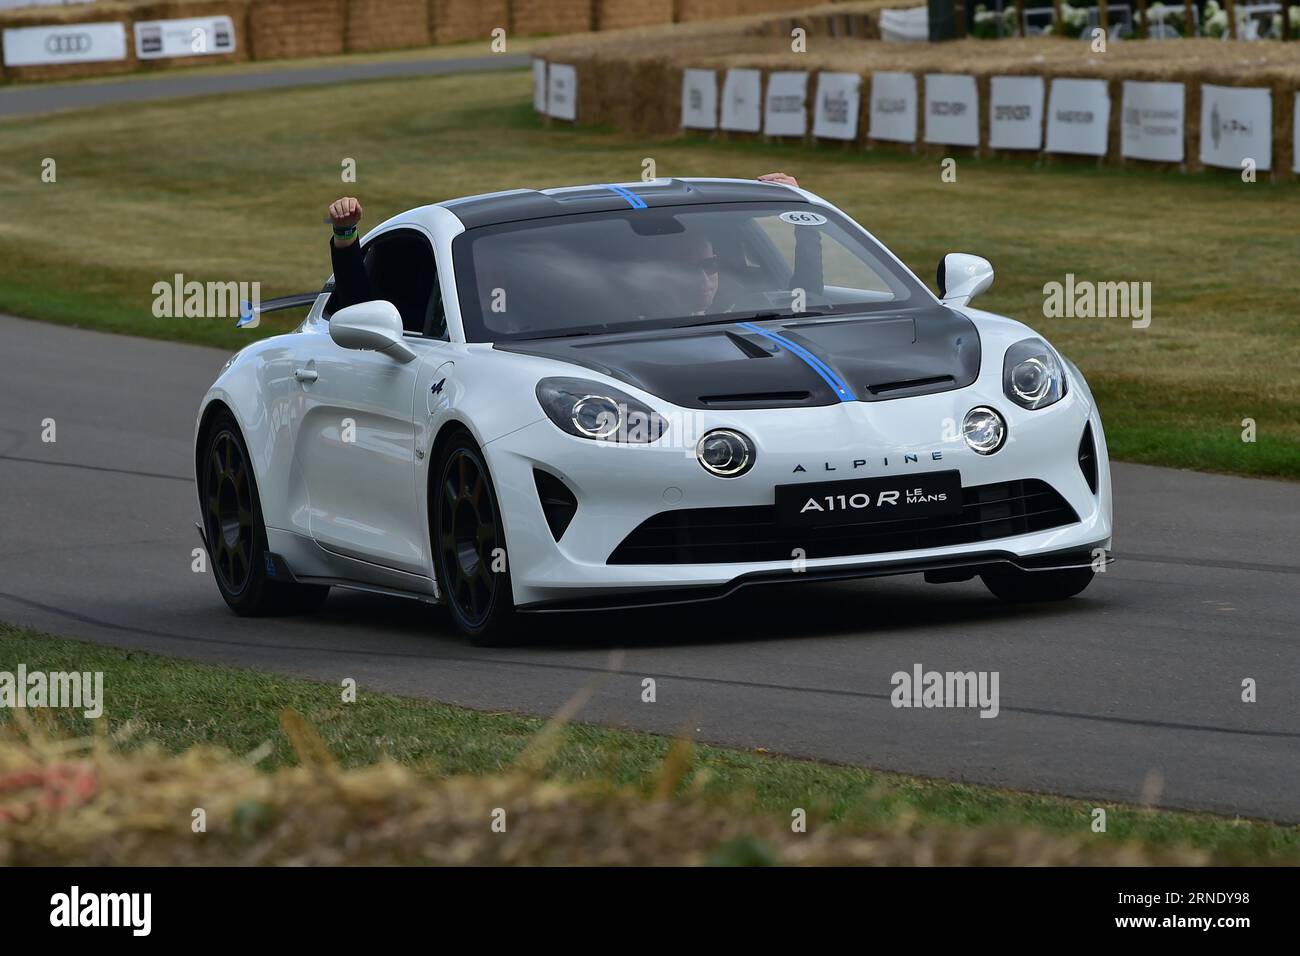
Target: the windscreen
(669, 266)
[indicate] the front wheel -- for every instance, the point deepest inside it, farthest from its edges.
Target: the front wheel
(1013, 584)
(469, 543)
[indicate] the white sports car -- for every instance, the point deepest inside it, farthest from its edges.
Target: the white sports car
(612, 396)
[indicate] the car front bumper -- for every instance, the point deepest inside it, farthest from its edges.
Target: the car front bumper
(618, 487)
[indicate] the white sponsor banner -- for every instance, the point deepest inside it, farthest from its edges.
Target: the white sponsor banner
(197, 36)
(71, 43)
(893, 107)
(699, 99)
(785, 112)
(742, 106)
(839, 96)
(905, 26)
(1153, 121)
(539, 86)
(1016, 112)
(1236, 124)
(952, 110)
(1078, 117)
(562, 91)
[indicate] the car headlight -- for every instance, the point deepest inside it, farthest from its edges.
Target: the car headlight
(725, 453)
(1032, 376)
(591, 410)
(984, 430)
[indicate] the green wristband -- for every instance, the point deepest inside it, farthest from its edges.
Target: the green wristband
(349, 233)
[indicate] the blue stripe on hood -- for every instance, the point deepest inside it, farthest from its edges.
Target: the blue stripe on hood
(841, 390)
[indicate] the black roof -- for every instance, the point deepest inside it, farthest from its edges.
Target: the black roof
(521, 204)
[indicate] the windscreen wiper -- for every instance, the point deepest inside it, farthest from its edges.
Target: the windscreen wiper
(752, 316)
(553, 335)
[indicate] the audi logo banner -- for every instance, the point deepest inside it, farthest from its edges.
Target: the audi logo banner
(68, 43)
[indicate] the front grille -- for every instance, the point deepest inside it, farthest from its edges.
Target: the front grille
(1088, 458)
(723, 535)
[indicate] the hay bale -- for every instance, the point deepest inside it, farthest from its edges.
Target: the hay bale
(546, 17)
(620, 14)
(690, 11)
(592, 107)
(237, 10)
(386, 25)
(94, 803)
(109, 12)
(748, 42)
(287, 29)
(455, 21)
(1284, 129)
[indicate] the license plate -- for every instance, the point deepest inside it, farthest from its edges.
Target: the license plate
(822, 503)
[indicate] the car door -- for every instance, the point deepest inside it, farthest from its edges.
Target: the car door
(357, 441)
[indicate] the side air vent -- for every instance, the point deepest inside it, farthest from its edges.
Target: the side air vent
(910, 383)
(755, 399)
(558, 503)
(1088, 458)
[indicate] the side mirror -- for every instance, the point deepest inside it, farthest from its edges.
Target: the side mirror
(371, 326)
(962, 277)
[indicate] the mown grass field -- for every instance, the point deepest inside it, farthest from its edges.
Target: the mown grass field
(234, 188)
(180, 705)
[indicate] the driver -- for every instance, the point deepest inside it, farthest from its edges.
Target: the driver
(693, 263)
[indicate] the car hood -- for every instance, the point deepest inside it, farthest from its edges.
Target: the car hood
(786, 363)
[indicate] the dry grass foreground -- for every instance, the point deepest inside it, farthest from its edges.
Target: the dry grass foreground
(88, 802)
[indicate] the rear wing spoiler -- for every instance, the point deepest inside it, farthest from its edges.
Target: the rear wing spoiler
(251, 313)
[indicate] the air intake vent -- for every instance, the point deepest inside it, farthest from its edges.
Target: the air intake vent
(755, 399)
(558, 503)
(1088, 458)
(910, 383)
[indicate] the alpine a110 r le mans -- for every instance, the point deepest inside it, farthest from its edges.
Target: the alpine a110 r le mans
(655, 392)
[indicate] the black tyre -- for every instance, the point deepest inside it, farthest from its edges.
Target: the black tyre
(232, 523)
(1013, 584)
(469, 543)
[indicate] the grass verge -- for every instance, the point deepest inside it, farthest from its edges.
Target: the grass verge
(156, 707)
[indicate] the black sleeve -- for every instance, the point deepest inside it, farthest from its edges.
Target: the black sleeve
(351, 284)
(808, 261)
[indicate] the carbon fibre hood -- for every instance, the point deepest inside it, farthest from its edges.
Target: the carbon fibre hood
(786, 363)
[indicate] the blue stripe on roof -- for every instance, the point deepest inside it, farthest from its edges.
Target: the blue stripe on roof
(633, 200)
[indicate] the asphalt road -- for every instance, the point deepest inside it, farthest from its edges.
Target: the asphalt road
(1129, 692)
(37, 99)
